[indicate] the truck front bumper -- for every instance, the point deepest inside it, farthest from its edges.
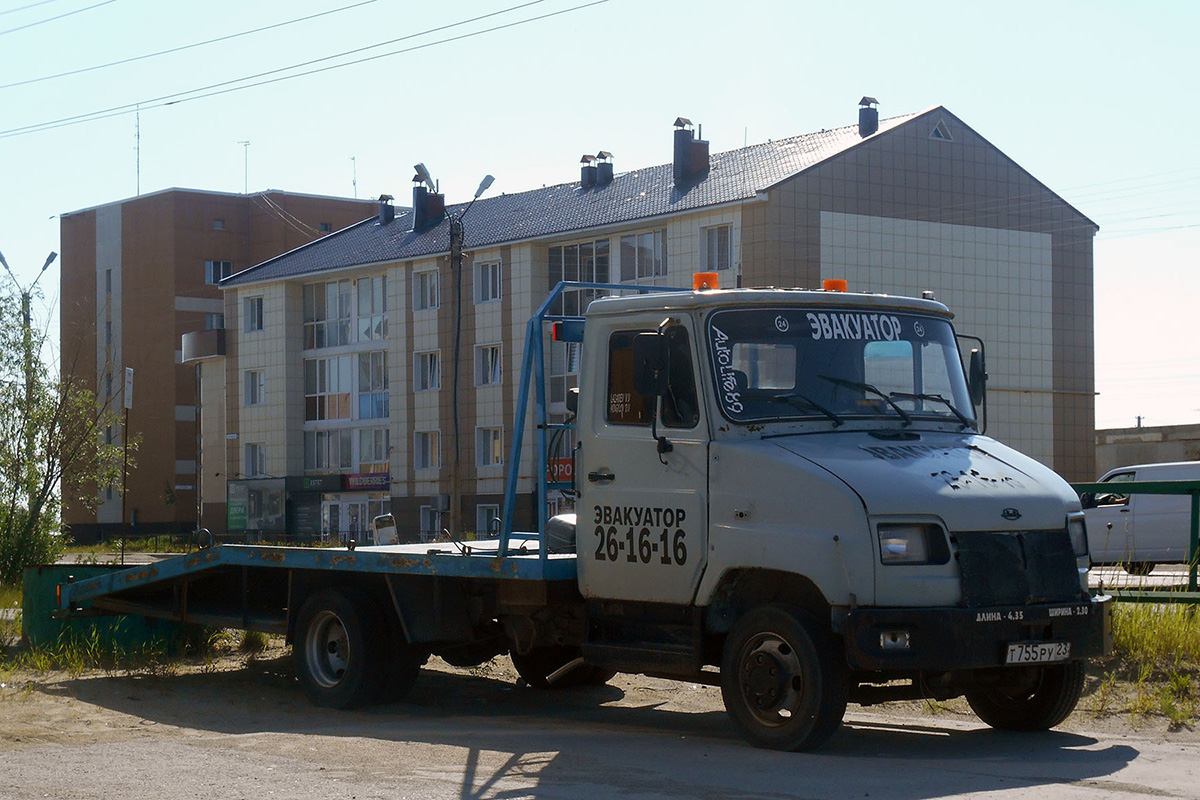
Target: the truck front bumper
(942, 639)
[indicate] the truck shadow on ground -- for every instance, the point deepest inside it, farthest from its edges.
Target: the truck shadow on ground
(604, 740)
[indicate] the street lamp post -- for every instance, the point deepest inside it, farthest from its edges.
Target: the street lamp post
(456, 260)
(28, 357)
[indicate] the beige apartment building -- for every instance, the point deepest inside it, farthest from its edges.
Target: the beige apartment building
(136, 275)
(340, 354)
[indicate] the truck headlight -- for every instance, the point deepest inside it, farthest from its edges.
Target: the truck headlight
(912, 543)
(1077, 530)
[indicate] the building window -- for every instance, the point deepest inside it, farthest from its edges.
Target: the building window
(326, 227)
(580, 261)
(425, 290)
(431, 523)
(564, 363)
(214, 271)
(213, 322)
(489, 447)
(372, 385)
(718, 248)
(426, 452)
(255, 462)
(327, 388)
(487, 520)
(327, 450)
(108, 281)
(108, 333)
(372, 308)
(254, 391)
(373, 447)
(487, 365)
(427, 372)
(643, 255)
(327, 314)
(487, 281)
(252, 314)
(218, 224)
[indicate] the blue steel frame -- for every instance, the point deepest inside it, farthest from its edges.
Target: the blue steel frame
(533, 366)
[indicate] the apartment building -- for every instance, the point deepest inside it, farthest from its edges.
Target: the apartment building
(341, 354)
(136, 275)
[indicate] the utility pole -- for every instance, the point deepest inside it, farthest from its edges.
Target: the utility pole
(27, 348)
(354, 180)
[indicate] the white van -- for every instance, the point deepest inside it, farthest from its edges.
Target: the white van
(1139, 531)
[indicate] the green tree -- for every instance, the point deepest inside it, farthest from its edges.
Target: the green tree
(50, 427)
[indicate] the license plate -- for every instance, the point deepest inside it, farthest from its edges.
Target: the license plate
(1038, 652)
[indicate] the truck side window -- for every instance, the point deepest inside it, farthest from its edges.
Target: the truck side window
(680, 406)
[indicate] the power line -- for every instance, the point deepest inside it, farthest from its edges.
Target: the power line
(52, 19)
(225, 87)
(181, 47)
(26, 8)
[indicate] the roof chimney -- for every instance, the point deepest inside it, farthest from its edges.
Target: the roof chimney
(691, 154)
(428, 205)
(387, 212)
(604, 173)
(868, 116)
(587, 173)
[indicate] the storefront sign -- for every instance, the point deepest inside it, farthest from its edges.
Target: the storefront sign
(315, 483)
(368, 480)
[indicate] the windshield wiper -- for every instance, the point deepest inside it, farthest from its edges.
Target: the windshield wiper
(866, 387)
(937, 398)
(803, 403)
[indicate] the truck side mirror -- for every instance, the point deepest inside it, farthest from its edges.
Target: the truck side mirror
(573, 400)
(650, 364)
(1088, 500)
(976, 378)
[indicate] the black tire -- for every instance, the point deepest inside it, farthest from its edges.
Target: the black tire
(540, 665)
(1038, 700)
(782, 680)
(1140, 567)
(339, 648)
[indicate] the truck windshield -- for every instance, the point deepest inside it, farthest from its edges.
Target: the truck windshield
(798, 363)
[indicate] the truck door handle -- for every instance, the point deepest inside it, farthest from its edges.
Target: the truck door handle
(595, 476)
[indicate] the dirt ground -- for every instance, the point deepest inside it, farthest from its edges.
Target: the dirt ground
(238, 726)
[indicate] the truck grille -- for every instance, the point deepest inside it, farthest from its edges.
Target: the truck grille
(1016, 567)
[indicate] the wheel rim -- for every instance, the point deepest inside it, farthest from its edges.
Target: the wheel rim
(327, 649)
(771, 679)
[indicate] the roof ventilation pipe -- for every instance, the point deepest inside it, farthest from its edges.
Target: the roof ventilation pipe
(868, 116)
(604, 173)
(428, 206)
(691, 153)
(587, 173)
(387, 212)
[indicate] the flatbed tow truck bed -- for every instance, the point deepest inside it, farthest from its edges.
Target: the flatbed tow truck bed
(242, 571)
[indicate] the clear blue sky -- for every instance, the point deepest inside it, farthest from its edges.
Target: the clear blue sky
(1095, 99)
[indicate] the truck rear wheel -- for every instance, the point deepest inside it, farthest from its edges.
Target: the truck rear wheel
(338, 649)
(781, 681)
(543, 668)
(1040, 699)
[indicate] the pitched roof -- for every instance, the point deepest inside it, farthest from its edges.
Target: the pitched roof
(733, 175)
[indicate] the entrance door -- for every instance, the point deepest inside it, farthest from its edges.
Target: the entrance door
(331, 519)
(642, 515)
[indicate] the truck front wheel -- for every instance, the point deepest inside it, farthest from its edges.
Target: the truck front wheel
(781, 680)
(338, 649)
(1036, 700)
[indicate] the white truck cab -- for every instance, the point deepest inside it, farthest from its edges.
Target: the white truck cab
(784, 460)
